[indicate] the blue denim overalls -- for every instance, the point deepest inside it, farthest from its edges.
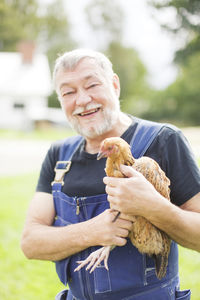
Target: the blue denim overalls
(131, 275)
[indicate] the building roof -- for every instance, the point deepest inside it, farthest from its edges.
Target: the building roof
(19, 79)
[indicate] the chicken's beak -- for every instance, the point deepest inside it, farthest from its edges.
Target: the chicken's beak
(101, 154)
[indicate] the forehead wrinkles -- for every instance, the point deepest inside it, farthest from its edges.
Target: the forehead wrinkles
(69, 78)
(81, 73)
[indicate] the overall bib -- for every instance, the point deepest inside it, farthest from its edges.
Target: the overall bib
(131, 275)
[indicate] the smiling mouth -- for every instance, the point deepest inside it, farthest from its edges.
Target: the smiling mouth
(89, 112)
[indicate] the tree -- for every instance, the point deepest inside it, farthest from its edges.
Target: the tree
(106, 19)
(55, 31)
(187, 24)
(181, 100)
(19, 21)
(48, 26)
(132, 73)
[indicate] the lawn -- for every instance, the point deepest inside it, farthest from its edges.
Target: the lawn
(45, 133)
(21, 279)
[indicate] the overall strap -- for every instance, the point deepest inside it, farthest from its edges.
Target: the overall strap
(144, 135)
(69, 146)
(63, 165)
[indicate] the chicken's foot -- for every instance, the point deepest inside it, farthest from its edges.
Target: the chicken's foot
(95, 258)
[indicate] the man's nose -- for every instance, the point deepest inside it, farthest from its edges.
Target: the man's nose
(83, 98)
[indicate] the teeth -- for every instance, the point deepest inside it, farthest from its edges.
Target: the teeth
(90, 112)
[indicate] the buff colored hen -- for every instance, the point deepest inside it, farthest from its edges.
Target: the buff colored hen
(147, 238)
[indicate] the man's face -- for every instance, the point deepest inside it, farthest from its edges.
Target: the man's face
(88, 98)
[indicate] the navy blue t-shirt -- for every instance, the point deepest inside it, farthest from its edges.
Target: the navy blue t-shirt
(170, 149)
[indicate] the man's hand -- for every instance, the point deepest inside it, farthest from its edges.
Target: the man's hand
(133, 195)
(105, 232)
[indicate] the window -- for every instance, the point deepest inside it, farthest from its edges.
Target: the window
(18, 105)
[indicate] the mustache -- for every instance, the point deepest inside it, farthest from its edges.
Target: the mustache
(89, 106)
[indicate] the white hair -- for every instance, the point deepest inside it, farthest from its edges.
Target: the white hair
(69, 61)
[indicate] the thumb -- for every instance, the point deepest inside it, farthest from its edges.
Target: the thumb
(128, 171)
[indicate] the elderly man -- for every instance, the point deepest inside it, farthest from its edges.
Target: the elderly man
(69, 216)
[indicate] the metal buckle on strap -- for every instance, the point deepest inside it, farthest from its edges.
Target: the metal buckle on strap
(61, 168)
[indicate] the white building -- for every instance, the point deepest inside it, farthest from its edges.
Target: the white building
(25, 84)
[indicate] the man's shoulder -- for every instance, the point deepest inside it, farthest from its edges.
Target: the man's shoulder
(69, 141)
(149, 123)
(66, 146)
(166, 129)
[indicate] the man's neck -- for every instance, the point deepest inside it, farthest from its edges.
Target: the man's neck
(92, 145)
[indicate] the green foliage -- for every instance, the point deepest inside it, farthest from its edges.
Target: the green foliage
(127, 64)
(19, 21)
(187, 22)
(53, 100)
(106, 20)
(55, 31)
(180, 102)
(47, 25)
(192, 48)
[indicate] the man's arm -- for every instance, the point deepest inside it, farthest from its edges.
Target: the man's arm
(41, 240)
(137, 196)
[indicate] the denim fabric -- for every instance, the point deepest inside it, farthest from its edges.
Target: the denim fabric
(128, 269)
(167, 291)
(131, 275)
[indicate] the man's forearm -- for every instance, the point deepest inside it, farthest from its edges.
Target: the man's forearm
(181, 225)
(136, 196)
(40, 241)
(55, 243)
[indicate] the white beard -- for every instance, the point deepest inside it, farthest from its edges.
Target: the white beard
(110, 119)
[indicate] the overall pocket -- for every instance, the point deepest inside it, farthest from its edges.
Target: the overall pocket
(102, 282)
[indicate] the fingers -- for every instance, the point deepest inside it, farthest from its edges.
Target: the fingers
(123, 233)
(128, 217)
(110, 190)
(124, 223)
(120, 241)
(126, 170)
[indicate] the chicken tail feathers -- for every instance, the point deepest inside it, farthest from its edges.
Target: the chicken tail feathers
(161, 262)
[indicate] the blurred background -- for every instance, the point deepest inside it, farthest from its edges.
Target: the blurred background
(155, 49)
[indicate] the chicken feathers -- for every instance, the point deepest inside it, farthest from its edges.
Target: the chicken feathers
(147, 238)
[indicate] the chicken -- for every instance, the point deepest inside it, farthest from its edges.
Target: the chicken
(147, 238)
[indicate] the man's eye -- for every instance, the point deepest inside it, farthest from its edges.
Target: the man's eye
(92, 85)
(67, 93)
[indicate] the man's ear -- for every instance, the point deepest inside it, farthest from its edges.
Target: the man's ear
(116, 84)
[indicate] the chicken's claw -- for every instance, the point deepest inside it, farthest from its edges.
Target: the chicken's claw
(95, 258)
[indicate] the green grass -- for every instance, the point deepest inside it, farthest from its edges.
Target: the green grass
(189, 266)
(22, 279)
(46, 133)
